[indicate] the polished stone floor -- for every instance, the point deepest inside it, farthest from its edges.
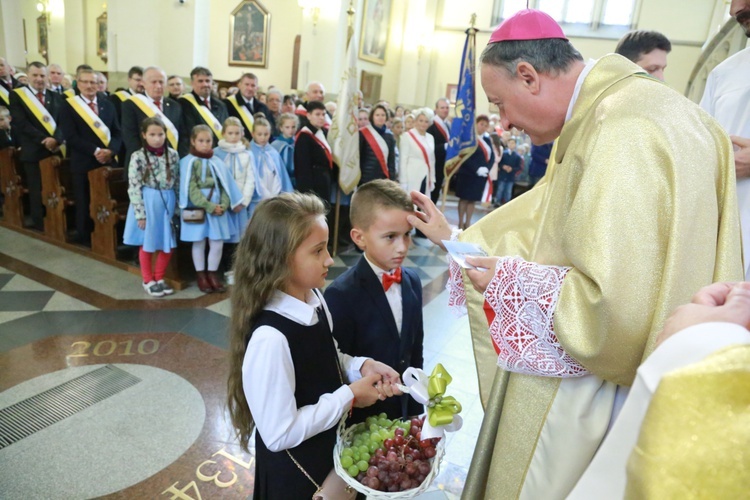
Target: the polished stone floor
(64, 316)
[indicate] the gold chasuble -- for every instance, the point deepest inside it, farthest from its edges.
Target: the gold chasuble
(639, 205)
(695, 437)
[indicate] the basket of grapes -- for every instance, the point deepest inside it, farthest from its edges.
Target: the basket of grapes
(387, 459)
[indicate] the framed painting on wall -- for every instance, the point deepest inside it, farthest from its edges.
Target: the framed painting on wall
(101, 36)
(370, 84)
(42, 35)
(249, 25)
(373, 41)
(451, 91)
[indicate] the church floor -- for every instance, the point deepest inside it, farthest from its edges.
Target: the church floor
(133, 388)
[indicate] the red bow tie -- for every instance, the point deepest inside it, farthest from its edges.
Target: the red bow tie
(389, 279)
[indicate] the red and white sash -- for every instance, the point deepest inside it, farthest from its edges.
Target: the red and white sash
(378, 146)
(487, 193)
(426, 157)
(485, 149)
(321, 140)
(442, 127)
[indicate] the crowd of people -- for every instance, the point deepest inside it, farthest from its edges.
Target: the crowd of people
(579, 288)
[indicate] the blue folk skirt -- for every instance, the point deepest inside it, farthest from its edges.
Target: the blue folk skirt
(215, 227)
(237, 223)
(158, 234)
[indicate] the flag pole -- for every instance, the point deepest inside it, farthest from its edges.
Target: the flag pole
(337, 211)
(472, 26)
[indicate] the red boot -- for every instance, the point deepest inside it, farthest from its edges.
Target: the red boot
(215, 282)
(203, 284)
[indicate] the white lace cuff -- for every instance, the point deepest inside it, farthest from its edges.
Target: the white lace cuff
(455, 284)
(523, 296)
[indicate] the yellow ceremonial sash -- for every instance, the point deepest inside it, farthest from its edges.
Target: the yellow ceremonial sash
(123, 95)
(245, 116)
(172, 134)
(206, 114)
(37, 109)
(4, 95)
(92, 120)
(70, 93)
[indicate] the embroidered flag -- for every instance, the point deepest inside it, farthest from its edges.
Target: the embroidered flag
(344, 133)
(463, 138)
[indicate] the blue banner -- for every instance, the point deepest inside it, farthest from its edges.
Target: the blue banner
(463, 136)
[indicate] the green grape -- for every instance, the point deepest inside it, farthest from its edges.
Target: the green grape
(362, 466)
(346, 462)
(373, 427)
(382, 422)
(383, 434)
(365, 457)
(383, 415)
(347, 452)
(356, 456)
(374, 445)
(363, 449)
(353, 470)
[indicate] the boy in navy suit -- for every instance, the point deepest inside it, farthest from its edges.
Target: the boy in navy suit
(377, 305)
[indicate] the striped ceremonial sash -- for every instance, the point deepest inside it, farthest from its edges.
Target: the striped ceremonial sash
(426, 157)
(149, 109)
(206, 114)
(442, 127)
(37, 109)
(378, 146)
(245, 116)
(70, 93)
(4, 95)
(485, 149)
(123, 95)
(91, 119)
(322, 142)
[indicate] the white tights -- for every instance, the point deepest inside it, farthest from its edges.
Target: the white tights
(215, 248)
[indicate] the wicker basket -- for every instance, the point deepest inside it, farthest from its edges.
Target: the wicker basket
(344, 438)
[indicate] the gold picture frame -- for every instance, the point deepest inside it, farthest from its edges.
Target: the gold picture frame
(370, 84)
(373, 41)
(101, 36)
(451, 92)
(249, 30)
(42, 30)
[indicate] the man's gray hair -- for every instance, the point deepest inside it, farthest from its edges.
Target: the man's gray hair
(277, 92)
(155, 68)
(551, 56)
(443, 99)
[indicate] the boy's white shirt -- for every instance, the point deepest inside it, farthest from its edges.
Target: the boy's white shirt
(393, 294)
(268, 379)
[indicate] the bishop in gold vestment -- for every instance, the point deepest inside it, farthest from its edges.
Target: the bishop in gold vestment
(636, 213)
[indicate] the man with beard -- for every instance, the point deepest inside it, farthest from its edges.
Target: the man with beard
(727, 98)
(440, 131)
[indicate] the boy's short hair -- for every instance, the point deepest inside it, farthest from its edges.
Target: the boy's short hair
(375, 195)
(636, 44)
(313, 105)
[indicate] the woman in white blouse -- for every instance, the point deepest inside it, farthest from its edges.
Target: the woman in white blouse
(417, 155)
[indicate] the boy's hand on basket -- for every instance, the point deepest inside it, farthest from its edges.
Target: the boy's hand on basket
(365, 393)
(390, 377)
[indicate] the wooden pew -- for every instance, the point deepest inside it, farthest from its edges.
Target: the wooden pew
(12, 188)
(57, 196)
(109, 207)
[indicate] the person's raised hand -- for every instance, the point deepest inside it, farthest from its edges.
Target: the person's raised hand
(429, 219)
(723, 302)
(741, 156)
(365, 393)
(480, 278)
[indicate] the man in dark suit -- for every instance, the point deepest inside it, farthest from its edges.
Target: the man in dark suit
(441, 132)
(152, 103)
(246, 99)
(55, 76)
(201, 80)
(376, 306)
(92, 133)
(35, 111)
(7, 82)
(135, 86)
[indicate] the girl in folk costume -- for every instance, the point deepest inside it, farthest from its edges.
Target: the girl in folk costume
(472, 179)
(313, 161)
(377, 156)
(205, 183)
(417, 155)
(284, 144)
(271, 178)
(153, 179)
(287, 376)
(233, 151)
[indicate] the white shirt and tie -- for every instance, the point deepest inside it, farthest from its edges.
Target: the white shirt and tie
(393, 295)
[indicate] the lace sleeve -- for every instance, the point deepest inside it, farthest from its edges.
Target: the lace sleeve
(523, 296)
(455, 284)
